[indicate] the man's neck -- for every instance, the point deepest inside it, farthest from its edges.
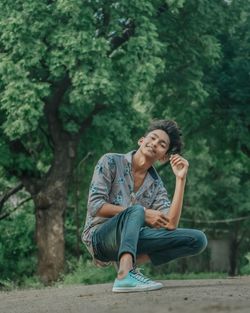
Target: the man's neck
(140, 163)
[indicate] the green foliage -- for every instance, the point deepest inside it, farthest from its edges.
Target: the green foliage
(86, 273)
(184, 60)
(42, 43)
(17, 246)
(204, 90)
(245, 270)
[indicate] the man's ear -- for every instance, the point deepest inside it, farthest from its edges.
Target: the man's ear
(140, 141)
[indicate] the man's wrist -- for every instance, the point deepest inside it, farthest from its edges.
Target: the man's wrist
(181, 179)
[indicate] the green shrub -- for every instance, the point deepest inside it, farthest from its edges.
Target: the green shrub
(17, 246)
(87, 273)
(245, 270)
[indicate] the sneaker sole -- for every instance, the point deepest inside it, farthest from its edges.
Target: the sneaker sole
(136, 289)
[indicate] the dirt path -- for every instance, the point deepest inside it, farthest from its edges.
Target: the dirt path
(222, 295)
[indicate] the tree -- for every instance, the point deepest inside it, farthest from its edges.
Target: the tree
(230, 105)
(206, 90)
(83, 76)
(69, 75)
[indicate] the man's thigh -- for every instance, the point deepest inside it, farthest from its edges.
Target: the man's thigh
(105, 240)
(118, 234)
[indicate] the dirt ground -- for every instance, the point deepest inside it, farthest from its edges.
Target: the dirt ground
(220, 295)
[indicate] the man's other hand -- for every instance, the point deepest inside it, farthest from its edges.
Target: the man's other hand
(156, 219)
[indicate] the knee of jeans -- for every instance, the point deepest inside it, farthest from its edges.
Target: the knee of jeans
(136, 209)
(200, 241)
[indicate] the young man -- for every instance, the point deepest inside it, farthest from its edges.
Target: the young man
(130, 219)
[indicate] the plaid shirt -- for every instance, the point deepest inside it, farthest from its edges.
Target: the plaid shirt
(113, 183)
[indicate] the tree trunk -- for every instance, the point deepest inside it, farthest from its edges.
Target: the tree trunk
(234, 249)
(50, 237)
(50, 204)
(233, 258)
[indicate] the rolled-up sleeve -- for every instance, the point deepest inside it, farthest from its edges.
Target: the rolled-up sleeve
(100, 185)
(161, 202)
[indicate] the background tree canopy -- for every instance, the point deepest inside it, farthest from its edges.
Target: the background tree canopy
(81, 78)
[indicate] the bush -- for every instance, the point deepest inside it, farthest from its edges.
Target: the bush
(17, 246)
(245, 270)
(87, 273)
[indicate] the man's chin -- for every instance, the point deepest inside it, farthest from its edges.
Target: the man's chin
(149, 154)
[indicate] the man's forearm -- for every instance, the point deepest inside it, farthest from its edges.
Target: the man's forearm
(174, 213)
(109, 210)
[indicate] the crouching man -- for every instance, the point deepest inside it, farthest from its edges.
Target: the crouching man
(130, 219)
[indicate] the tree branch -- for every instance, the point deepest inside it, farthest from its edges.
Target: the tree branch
(89, 154)
(50, 144)
(9, 193)
(6, 214)
(245, 150)
(87, 122)
(51, 109)
(118, 41)
(17, 147)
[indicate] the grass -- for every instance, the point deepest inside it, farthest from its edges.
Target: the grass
(186, 276)
(86, 273)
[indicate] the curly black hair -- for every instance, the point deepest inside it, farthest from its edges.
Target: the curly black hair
(172, 130)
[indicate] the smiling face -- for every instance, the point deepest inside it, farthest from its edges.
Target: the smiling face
(155, 145)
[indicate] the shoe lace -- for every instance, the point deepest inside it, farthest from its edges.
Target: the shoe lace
(138, 275)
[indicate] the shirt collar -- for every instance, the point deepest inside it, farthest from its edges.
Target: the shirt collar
(152, 171)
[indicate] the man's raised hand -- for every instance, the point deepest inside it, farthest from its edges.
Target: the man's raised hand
(179, 165)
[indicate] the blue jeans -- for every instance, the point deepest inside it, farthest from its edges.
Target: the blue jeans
(126, 233)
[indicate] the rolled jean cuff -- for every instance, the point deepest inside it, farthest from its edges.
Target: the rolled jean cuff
(127, 251)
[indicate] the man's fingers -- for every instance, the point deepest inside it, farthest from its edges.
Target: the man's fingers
(157, 219)
(164, 217)
(178, 163)
(174, 156)
(160, 224)
(174, 159)
(163, 221)
(179, 159)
